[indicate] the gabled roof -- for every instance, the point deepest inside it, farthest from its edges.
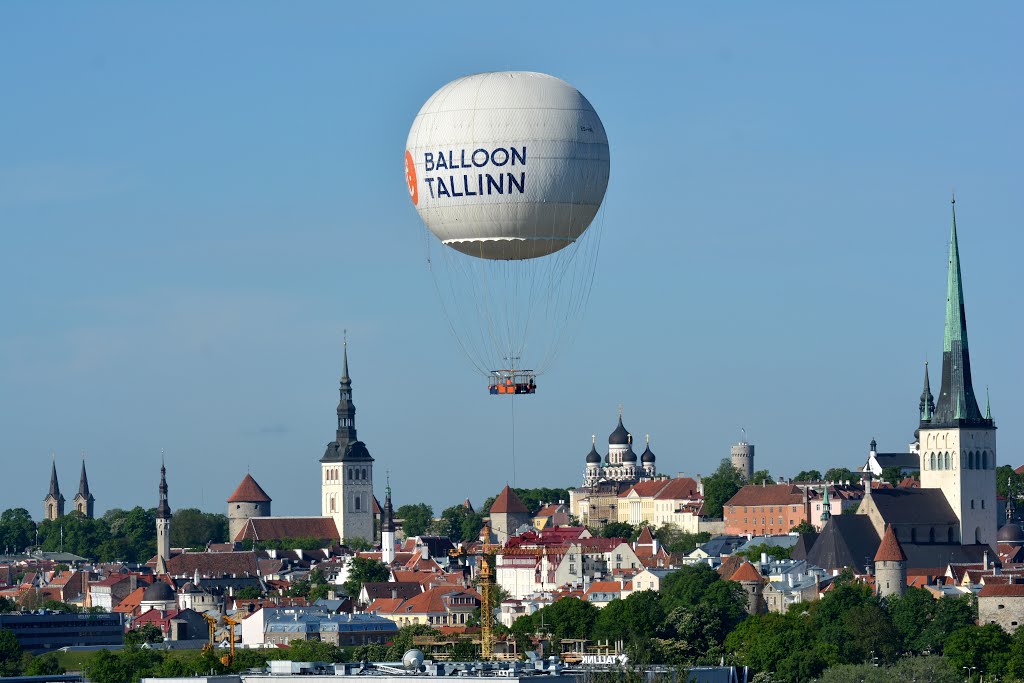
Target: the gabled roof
(249, 492)
(729, 566)
(277, 528)
(131, 601)
(508, 502)
(776, 494)
(1007, 590)
(890, 550)
(645, 537)
(913, 506)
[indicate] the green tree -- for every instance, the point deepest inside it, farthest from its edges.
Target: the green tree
(911, 615)
(315, 651)
(248, 593)
(10, 653)
(44, 665)
(761, 477)
(620, 530)
(808, 475)
(17, 530)
(458, 523)
(1008, 481)
(986, 648)
(804, 527)
(873, 638)
(415, 518)
(893, 475)
(362, 570)
(840, 474)
(675, 540)
(777, 552)
(194, 528)
(568, 618)
(719, 487)
(147, 633)
(7, 605)
(638, 615)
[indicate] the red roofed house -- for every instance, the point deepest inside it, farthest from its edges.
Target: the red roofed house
(440, 606)
(1001, 604)
(760, 510)
(507, 515)
(600, 593)
(249, 500)
(551, 515)
(323, 529)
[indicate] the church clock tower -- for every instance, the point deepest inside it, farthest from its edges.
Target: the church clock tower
(346, 471)
(958, 442)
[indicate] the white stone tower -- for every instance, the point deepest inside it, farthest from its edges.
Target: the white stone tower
(346, 471)
(249, 500)
(742, 456)
(163, 524)
(958, 443)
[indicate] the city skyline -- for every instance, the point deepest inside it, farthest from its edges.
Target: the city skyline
(197, 227)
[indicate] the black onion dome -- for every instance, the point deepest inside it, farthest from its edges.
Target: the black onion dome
(593, 457)
(648, 455)
(629, 455)
(620, 437)
(1010, 533)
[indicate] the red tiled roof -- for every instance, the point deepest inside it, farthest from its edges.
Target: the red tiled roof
(508, 501)
(279, 528)
(213, 564)
(680, 488)
(776, 494)
(890, 550)
(604, 587)
(131, 601)
(549, 510)
(746, 572)
(249, 492)
(645, 537)
(1011, 590)
(909, 483)
(1019, 470)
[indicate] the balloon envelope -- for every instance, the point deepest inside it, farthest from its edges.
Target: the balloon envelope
(507, 165)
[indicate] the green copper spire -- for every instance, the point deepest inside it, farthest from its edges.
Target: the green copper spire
(826, 507)
(957, 405)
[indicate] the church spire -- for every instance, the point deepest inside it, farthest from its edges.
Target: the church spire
(388, 523)
(346, 409)
(163, 510)
(83, 482)
(957, 405)
(54, 486)
(927, 405)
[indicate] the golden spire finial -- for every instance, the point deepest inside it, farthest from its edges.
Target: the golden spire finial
(593, 439)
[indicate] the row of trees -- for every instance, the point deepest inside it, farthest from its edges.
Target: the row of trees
(459, 523)
(125, 535)
(699, 619)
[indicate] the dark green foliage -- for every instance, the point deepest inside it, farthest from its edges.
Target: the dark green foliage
(194, 528)
(148, 633)
(315, 651)
(10, 653)
(924, 624)
(620, 530)
(774, 551)
(720, 487)
(458, 524)
(415, 518)
(637, 616)
(45, 665)
(17, 530)
(362, 570)
(675, 540)
(808, 475)
(761, 477)
(986, 648)
(248, 593)
(893, 475)
(841, 474)
(804, 527)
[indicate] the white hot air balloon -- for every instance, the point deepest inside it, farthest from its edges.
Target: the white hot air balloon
(508, 170)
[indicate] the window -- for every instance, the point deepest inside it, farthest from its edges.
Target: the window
(357, 502)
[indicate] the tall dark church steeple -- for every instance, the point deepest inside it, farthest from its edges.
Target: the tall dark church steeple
(84, 501)
(957, 405)
(346, 409)
(927, 405)
(53, 504)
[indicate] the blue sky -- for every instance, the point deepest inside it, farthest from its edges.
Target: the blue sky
(196, 200)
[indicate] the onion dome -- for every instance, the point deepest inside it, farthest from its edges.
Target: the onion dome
(620, 437)
(1010, 533)
(629, 455)
(158, 592)
(593, 457)
(648, 455)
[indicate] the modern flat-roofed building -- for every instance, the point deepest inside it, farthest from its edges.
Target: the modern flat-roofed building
(45, 630)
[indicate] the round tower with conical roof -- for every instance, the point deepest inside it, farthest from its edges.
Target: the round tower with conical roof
(249, 500)
(890, 566)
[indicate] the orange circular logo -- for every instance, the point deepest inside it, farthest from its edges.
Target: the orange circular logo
(410, 178)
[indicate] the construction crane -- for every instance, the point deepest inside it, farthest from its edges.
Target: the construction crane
(484, 552)
(210, 646)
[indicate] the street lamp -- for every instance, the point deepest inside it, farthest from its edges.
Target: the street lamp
(970, 672)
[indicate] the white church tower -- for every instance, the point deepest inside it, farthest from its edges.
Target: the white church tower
(957, 442)
(346, 471)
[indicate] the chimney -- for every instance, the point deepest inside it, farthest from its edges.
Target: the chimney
(985, 564)
(133, 582)
(764, 558)
(394, 593)
(425, 552)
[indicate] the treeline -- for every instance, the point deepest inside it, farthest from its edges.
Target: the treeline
(461, 524)
(119, 535)
(698, 619)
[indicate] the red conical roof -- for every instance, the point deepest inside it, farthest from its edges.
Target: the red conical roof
(890, 549)
(645, 537)
(508, 501)
(249, 492)
(746, 572)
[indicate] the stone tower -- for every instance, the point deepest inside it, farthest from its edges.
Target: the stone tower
(890, 566)
(957, 442)
(346, 471)
(753, 586)
(507, 514)
(53, 504)
(249, 500)
(742, 456)
(163, 525)
(84, 501)
(387, 528)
